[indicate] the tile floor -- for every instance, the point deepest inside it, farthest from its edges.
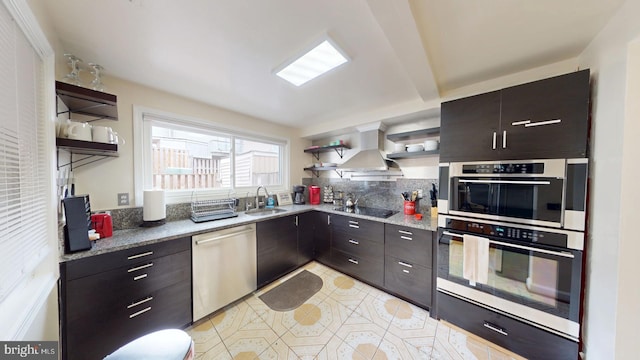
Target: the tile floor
(346, 319)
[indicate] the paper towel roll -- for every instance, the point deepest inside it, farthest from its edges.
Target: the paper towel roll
(153, 207)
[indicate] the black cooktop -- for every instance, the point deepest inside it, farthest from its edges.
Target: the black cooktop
(369, 211)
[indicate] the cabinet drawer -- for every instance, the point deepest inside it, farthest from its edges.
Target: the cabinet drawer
(76, 269)
(357, 245)
(118, 287)
(363, 268)
(364, 229)
(413, 245)
(408, 279)
(526, 340)
(99, 334)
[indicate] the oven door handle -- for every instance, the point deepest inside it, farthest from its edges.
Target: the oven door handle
(544, 251)
(524, 182)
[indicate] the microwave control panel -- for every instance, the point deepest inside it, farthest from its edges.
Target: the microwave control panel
(509, 232)
(505, 168)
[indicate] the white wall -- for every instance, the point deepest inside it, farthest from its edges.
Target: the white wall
(610, 299)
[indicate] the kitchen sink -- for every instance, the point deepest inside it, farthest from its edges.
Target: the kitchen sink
(264, 211)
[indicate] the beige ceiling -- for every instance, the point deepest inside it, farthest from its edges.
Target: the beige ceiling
(404, 53)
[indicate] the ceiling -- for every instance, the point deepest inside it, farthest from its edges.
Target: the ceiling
(404, 53)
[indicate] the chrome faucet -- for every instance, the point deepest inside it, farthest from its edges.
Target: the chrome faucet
(258, 203)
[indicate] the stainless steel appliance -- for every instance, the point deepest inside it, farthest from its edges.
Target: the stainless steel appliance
(548, 192)
(534, 273)
(224, 268)
(368, 211)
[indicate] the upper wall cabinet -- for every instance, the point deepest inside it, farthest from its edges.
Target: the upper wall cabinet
(538, 120)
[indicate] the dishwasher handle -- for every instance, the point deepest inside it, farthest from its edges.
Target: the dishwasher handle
(225, 236)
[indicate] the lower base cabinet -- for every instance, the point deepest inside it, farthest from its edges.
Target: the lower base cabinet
(410, 281)
(109, 300)
(277, 242)
(523, 339)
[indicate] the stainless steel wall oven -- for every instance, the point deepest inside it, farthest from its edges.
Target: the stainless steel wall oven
(521, 225)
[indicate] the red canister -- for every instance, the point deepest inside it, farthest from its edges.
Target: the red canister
(314, 195)
(102, 224)
(409, 207)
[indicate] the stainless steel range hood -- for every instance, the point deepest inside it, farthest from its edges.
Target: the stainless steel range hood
(370, 158)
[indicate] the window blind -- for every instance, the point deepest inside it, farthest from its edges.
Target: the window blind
(23, 158)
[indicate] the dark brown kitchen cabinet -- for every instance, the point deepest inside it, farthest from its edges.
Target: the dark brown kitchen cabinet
(313, 237)
(408, 263)
(357, 248)
(521, 338)
(277, 248)
(543, 119)
(110, 299)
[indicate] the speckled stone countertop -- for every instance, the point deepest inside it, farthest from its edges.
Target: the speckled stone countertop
(124, 239)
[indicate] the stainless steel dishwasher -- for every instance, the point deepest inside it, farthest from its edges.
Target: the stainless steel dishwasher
(224, 268)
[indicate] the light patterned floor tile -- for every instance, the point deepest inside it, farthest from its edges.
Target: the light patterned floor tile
(204, 336)
(279, 351)
(249, 343)
(309, 336)
(393, 347)
(233, 318)
(365, 338)
(218, 352)
(333, 314)
(375, 310)
(338, 349)
(442, 351)
(412, 322)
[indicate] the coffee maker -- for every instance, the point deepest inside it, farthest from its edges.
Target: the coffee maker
(298, 194)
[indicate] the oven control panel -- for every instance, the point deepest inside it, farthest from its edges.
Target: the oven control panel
(508, 232)
(506, 168)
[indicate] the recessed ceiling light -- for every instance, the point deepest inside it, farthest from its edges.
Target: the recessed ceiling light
(316, 62)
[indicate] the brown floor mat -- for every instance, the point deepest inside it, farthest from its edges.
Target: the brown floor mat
(293, 292)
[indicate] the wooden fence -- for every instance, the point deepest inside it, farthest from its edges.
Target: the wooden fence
(174, 169)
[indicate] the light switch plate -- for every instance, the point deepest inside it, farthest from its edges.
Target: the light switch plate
(123, 199)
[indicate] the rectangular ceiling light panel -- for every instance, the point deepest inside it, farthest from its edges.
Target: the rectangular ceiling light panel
(316, 62)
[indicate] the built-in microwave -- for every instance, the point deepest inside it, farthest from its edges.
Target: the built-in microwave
(550, 192)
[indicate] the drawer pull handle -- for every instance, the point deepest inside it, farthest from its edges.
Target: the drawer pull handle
(353, 261)
(405, 232)
(136, 278)
(353, 222)
(354, 242)
(405, 271)
(139, 255)
(406, 238)
(405, 264)
(497, 329)
(140, 267)
(139, 312)
(354, 226)
(139, 302)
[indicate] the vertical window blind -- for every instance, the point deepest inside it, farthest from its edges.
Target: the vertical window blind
(23, 158)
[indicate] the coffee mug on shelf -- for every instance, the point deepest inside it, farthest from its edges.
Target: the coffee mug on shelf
(117, 139)
(103, 134)
(79, 131)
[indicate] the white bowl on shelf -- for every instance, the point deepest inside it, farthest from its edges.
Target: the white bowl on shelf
(415, 148)
(430, 145)
(399, 148)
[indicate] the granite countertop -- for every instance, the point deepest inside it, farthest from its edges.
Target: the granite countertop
(124, 239)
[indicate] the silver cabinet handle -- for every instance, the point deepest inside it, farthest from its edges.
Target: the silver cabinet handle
(140, 267)
(504, 139)
(490, 326)
(494, 140)
(354, 226)
(139, 302)
(328, 219)
(225, 236)
(540, 123)
(405, 271)
(353, 261)
(139, 312)
(139, 255)
(405, 232)
(296, 220)
(405, 264)
(406, 238)
(354, 242)
(136, 278)
(353, 222)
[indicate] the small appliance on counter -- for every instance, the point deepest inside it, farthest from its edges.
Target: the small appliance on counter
(298, 194)
(102, 224)
(314, 195)
(76, 231)
(154, 210)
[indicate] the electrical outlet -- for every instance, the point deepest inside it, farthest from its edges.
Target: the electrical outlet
(123, 199)
(419, 193)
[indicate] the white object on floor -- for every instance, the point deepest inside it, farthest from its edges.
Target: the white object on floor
(169, 344)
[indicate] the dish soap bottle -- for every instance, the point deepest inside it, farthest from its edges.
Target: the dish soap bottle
(270, 202)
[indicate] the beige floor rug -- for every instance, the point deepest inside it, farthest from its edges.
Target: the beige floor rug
(293, 292)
